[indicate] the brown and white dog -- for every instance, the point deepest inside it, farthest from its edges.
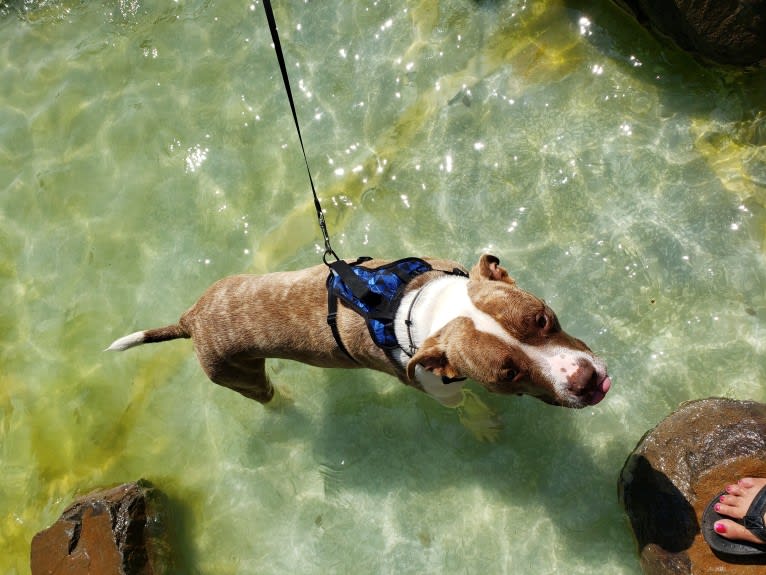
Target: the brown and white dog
(482, 327)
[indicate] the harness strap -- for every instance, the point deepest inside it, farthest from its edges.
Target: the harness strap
(332, 321)
(360, 289)
(357, 286)
(408, 322)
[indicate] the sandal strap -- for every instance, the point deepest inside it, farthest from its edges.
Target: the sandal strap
(753, 519)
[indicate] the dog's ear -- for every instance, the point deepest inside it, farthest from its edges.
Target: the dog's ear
(433, 358)
(489, 268)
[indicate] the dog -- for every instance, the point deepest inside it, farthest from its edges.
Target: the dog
(447, 325)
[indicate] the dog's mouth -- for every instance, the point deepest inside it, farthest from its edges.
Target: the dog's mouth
(598, 391)
(589, 389)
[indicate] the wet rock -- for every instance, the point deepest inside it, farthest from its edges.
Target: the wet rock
(674, 472)
(115, 531)
(731, 32)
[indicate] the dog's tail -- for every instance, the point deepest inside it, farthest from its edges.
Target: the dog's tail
(149, 336)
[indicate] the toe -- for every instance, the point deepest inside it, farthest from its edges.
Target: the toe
(746, 483)
(734, 489)
(732, 530)
(723, 508)
(731, 506)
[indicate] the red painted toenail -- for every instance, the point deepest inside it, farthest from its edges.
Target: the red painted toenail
(720, 528)
(717, 507)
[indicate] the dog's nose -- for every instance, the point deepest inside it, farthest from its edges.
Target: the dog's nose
(588, 383)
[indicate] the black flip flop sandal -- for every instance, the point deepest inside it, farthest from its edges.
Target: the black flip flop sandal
(752, 521)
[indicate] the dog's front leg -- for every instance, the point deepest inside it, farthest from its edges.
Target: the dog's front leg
(473, 413)
(478, 418)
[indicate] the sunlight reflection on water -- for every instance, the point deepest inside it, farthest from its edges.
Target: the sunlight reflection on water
(146, 151)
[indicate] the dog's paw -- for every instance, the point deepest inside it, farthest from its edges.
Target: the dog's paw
(281, 400)
(478, 418)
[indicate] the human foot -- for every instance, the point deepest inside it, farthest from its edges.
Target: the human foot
(733, 522)
(735, 503)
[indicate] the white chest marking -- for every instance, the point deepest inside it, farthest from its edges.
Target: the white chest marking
(441, 301)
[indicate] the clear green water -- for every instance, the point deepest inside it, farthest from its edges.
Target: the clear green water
(146, 150)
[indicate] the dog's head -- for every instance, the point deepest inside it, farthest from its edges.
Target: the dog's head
(511, 342)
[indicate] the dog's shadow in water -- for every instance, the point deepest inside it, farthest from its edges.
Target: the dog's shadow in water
(376, 438)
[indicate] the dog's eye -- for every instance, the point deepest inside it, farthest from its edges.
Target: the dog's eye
(510, 374)
(542, 321)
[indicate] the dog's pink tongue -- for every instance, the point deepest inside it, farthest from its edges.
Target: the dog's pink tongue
(600, 393)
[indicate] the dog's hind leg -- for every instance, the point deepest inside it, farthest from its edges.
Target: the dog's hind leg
(245, 375)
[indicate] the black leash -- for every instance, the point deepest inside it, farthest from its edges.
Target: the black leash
(337, 267)
(328, 251)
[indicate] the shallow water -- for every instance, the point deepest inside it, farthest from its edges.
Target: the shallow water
(146, 149)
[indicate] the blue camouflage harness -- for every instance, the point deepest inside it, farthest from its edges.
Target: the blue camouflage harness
(375, 294)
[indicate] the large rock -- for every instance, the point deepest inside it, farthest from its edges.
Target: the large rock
(115, 531)
(725, 31)
(674, 472)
